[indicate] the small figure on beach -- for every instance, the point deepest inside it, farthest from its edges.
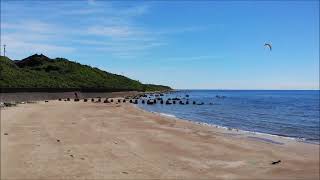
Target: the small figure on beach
(76, 95)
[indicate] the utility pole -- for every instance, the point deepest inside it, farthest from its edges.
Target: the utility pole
(4, 50)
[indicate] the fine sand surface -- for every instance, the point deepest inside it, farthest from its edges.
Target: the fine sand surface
(78, 140)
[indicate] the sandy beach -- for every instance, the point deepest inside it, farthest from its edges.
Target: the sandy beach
(78, 140)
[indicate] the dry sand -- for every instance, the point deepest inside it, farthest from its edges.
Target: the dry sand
(77, 140)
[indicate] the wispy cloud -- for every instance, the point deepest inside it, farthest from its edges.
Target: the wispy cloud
(103, 26)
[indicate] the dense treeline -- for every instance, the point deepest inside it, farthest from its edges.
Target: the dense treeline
(39, 71)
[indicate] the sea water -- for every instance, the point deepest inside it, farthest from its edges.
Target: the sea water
(289, 113)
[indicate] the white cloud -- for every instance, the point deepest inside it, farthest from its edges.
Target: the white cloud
(106, 26)
(18, 47)
(112, 31)
(192, 58)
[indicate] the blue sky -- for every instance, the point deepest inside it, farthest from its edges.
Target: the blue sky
(183, 44)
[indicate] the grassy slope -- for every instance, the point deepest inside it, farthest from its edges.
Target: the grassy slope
(38, 71)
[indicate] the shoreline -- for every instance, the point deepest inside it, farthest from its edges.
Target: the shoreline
(264, 137)
(72, 140)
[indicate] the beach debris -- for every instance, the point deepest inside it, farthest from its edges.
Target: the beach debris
(276, 162)
(6, 134)
(68, 99)
(200, 103)
(125, 172)
(9, 104)
(58, 140)
(85, 100)
(180, 102)
(82, 158)
(193, 102)
(106, 101)
(136, 101)
(187, 95)
(31, 102)
(71, 155)
(268, 45)
(46, 101)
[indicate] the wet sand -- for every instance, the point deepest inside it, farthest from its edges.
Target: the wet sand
(78, 140)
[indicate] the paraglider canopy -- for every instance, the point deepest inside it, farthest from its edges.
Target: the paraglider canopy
(268, 45)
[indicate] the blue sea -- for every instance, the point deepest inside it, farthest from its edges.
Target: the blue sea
(289, 113)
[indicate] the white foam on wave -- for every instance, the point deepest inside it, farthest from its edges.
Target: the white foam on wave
(230, 129)
(167, 115)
